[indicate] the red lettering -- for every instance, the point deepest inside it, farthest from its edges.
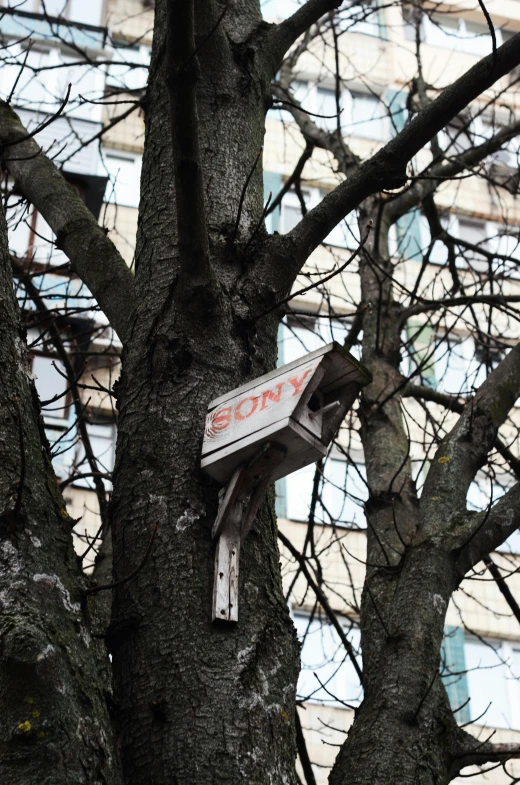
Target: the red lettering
(238, 413)
(269, 395)
(298, 383)
(221, 419)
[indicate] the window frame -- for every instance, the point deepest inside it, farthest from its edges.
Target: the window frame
(348, 624)
(505, 651)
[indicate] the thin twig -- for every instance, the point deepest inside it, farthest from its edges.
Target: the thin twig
(243, 194)
(303, 753)
(491, 32)
(43, 125)
(260, 222)
(421, 702)
(502, 585)
(127, 578)
(323, 280)
(322, 599)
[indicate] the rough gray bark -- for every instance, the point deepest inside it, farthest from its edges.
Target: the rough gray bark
(217, 701)
(54, 725)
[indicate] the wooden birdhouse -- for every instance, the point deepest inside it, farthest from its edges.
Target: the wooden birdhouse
(264, 430)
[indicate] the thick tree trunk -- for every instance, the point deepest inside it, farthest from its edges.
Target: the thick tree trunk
(54, 726)
(404, 731)
(198, 702)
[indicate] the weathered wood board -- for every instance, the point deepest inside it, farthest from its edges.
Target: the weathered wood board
(291, 406)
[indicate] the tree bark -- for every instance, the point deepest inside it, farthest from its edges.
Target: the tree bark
(55, 727)
(404, 730)
(198, 702)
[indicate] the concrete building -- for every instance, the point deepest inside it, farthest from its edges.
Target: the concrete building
(481, 657)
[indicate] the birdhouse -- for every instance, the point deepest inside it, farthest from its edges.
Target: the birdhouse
(299, 406)
(263, 431)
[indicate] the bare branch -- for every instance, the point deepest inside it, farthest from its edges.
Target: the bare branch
(93, 257)
(458, 459)
(439, 172)
(452, 302)
(387, 168)
(483, 532)
(283, 35)
(79, 408)
(476, 753)
(322, 599)
(419, 392)
(502, 586)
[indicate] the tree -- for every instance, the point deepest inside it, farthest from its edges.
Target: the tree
(196, 702)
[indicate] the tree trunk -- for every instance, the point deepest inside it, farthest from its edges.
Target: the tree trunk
(198, 702)
(54, 727)
(404, 731)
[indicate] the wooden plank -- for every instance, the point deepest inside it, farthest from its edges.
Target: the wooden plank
(300, 445)
(341, 356)
(261, 406)
(231, 493)
(334, 417)
(227, 559)
(254, 503)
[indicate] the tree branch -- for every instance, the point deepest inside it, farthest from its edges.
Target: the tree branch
(283, 35)
(485, 531)
(421, 393)
(452, 302)
(476, 753)
(438, 173)
(71, 376)
(455, 404)
(322, 599)
(458, 458)
(189, 188)
(387, 168)
(502, 586)
(93, 257)
(303, 754)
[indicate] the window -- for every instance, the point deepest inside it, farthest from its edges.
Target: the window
(363, 114)
(508, 154)
(493, 671)
(452, 32)
(102, 440)
(124, 172)
(412, 16)
(342, 493)
(368, 118)
(327, 674)
(327, 106)
(51, 380)
(342, 488)
(128, 76)
(505, 241)
(457, 137)
(457, 371)
(89, 13)
(280, 9)
(300, 335)
(494, 238)
(474, 233)
(484, 491)
(361, 18)
(292, 211)
(344, 235)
